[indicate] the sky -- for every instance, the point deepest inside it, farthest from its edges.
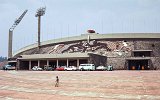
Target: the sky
(65, 18)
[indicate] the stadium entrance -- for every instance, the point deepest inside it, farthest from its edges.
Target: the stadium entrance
(138, 64)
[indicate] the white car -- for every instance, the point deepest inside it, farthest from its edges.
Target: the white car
(37, 68)
(87, 67)
(101, 68)
(70, 68)
(9, 67)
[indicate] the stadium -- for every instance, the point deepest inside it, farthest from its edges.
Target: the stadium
(124, 51)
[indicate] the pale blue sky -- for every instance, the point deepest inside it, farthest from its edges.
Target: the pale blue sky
(65, 18)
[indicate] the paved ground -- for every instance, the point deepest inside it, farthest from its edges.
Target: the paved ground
(80, 85)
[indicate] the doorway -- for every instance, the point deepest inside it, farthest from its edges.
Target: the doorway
(138, 64)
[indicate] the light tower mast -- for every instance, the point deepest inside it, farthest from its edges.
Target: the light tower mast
(40, 12)
(16, 22)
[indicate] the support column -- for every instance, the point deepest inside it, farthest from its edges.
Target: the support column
(39, 31)
(10, 44)
(47, 62)
(30, 65)
(57, 63)
(39, 63)
(88, 39)
(67, 63)
(77, 63)
(18, 64)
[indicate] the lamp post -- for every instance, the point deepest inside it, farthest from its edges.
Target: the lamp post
(40, 12)
(16, 22)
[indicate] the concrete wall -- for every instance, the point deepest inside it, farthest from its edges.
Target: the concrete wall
(97, 60)
(117, 63)
(156, 63)
(148, 45)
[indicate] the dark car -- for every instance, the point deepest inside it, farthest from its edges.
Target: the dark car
(48, 68)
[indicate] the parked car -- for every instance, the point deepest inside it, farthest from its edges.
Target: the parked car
(60, 68)
(70, 68)
(101, 68)
(110, 68)
(9, 67)
(37, 68)
(87, 67)
(48, 67)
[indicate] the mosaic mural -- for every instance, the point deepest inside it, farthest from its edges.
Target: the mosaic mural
(103, 47)
(118, 47)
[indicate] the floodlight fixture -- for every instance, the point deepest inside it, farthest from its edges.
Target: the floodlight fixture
(18, 20)
(40, 11)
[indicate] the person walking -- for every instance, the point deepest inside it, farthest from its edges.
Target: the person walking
(57, 81)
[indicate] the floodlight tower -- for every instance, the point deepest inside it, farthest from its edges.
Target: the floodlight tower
(16, 22)
(40, 12)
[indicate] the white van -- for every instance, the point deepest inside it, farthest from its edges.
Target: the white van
(87, 67)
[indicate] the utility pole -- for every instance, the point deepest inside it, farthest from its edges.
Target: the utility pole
(40, 12)
(16, 22)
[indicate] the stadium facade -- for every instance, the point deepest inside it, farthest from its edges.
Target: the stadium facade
(124, 51)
